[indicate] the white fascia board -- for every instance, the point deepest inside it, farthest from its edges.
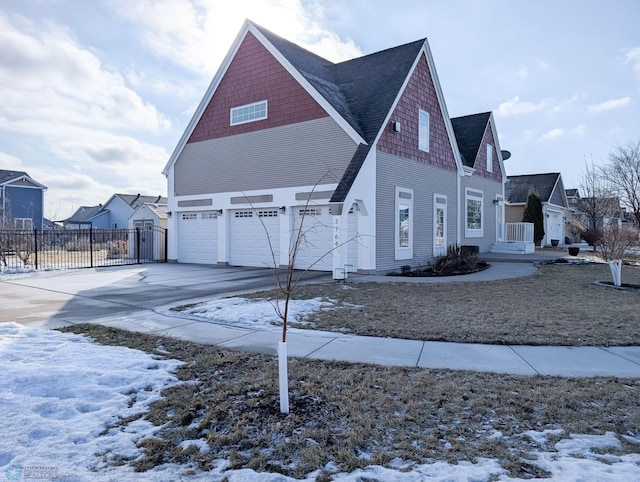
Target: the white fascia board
(307, 86)
(215, 82)
(10, 183)
(498, 149)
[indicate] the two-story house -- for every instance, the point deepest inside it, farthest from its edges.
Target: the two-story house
(21, 201)
(362, 154)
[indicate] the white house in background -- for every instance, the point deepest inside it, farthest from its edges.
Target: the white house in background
(363, 151)
(150, 219)
(555, 207)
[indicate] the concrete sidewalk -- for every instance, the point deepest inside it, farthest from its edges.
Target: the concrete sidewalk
(621, 362)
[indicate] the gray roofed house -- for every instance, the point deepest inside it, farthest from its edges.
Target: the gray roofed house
(114, 214)
(365, 142)
(21, 200)
(550, 189)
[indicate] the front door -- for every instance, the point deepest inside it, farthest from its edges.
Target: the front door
(499, 201)
(439, 225)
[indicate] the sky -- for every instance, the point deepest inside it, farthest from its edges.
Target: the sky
(60, 422)
(94, 96)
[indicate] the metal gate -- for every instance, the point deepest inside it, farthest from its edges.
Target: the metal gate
(82, 248)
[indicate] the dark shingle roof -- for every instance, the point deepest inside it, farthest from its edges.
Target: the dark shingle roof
(136, 200)
(7, 175)
(517, 187)
(361, 90)
(469, 131)
(84, 214)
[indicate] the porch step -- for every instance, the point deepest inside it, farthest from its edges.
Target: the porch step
(515, 247)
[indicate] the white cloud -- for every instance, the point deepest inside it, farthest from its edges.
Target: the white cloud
(196, 34)
(609, 104)
(46, 76)
(515, 106)
(632, 56)
(73, 113)
(580, 130)
(552, 134)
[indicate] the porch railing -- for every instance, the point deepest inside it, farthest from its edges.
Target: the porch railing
(519, 232)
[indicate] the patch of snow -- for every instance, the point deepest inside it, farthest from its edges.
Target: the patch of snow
(540, 438)
(256, 313)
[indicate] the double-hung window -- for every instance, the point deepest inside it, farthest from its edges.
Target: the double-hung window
(489, 158)
(248, 113)
(404, 223)
(474, 205)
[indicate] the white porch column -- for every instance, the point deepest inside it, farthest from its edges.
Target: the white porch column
(223, 237)
(286, 228)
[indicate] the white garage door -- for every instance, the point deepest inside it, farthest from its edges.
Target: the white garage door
(554, 226)
(248, 242)
(317, 240)
(198, 237)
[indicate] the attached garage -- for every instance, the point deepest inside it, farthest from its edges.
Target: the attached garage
(198, 237)
(249, 245)
(318, 238)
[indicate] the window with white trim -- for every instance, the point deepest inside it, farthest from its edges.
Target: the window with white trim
(423, 130)
(186, 216)
(474, 205)
(489, 158)
(248, 113)
(23, 224)
(404, 223)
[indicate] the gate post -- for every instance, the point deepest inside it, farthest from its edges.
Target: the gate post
(138, 244)
(91, 246)
(35, 245)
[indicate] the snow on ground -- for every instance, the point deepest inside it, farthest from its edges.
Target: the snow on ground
(62, 395)
(257, 314)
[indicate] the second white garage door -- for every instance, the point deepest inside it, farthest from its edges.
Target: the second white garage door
(198, 237)
(248, 242)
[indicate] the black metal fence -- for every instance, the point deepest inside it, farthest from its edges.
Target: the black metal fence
(81, 248)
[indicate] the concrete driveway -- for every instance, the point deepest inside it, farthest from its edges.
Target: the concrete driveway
(54, 298)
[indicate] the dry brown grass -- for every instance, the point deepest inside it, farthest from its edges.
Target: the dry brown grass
(356, 415)
(557, 305)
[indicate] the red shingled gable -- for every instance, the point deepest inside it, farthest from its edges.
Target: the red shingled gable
(255, 75)
(419, 93)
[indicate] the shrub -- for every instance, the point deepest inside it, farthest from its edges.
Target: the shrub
(592, 236)
(457, 260)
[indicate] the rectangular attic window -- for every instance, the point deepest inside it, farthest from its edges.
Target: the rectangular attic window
(248, 113)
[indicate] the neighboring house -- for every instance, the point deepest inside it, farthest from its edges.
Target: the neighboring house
(550, 190)
(363, 152)
(114, 214)
(21, 201)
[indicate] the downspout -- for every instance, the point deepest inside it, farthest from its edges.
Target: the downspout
(459, 210)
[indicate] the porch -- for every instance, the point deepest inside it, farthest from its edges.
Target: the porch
(518, 239)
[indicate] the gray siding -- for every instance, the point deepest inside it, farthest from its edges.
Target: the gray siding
(557, 198)
(392, 171)
(490, 189)
(292, 155)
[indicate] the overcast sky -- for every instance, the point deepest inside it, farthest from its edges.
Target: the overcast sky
(94, 95)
